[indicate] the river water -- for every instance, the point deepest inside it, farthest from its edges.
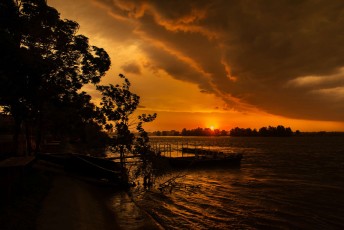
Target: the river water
(283, 183)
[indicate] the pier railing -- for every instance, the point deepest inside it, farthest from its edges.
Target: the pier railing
(181, 149)
(177, 149)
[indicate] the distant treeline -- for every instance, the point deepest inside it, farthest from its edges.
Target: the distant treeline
(203, 132)
(192, 132)
(279, 131)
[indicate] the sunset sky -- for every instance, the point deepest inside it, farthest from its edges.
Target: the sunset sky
(202, 63)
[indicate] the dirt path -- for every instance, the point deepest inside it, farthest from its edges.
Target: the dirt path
(74, 204)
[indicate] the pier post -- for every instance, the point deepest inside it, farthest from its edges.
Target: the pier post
(182, 149)
(177, 148)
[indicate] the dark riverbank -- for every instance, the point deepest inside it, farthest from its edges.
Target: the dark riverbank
(21, 202)
(49, 198)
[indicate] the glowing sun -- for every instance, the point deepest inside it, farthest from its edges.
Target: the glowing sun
(212, 127)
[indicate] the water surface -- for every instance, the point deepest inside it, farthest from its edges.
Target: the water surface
(283, 183)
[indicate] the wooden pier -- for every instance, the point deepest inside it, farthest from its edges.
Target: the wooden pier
(181, 149)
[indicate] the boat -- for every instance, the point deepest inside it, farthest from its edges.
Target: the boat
(86, 165)
(94, 167)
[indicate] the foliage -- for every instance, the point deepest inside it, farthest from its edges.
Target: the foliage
(203, 132)
(192, 132)
(246, 132)
(279, 131)
(43, 67)
(166, 133)
(118, 104)
(45, 62)
(142, 141)
(77, 118)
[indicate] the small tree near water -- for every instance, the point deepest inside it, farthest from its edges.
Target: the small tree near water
(118, 104)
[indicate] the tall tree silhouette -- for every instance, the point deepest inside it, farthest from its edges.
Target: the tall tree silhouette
(73, 117)
(47, 62)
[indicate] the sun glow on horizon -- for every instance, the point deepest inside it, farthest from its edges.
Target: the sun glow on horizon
(170, 79)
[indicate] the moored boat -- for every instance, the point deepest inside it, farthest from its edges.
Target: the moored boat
(86, 165)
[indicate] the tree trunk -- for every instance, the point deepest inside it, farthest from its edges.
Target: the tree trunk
(28, 138)
(123, 169)
(17, 129)
(39, 134)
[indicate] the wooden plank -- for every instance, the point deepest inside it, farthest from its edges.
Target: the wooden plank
(125, 157)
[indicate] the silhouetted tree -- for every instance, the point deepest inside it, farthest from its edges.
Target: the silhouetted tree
(46, 61)
(263, 132)
(223, 133)
(184, 132)
(118, 104)
(43, 66)
(157, 133)
(279, 131)
(78, 118)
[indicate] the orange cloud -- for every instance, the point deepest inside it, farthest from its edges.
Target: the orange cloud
(280, 57)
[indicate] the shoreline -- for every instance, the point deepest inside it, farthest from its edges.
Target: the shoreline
(78, 203)
(74, 204)
(70, 202)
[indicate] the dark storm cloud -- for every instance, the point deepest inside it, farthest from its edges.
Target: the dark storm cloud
(283, 57)
(174, 66)
(204, 91)
(132, 68)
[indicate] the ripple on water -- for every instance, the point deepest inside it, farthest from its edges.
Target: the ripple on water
(283, 183)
